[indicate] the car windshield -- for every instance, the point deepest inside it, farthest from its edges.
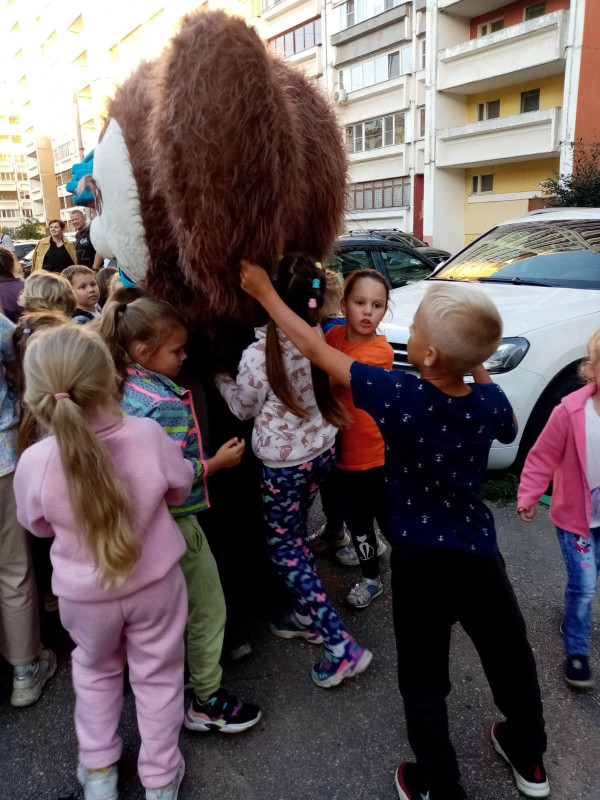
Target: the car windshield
(552, 253)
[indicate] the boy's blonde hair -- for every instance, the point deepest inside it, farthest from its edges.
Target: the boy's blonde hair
(593, 356)
(70, 273)
(47, 291)
(462, 323)
(74, 361)
(334, 291)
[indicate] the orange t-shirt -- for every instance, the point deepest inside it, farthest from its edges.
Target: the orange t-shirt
(361, 445)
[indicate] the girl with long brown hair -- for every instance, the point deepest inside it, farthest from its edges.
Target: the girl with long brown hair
(101, 484)
(296, 420)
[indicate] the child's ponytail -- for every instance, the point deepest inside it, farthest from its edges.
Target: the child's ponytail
(301, 285)
(69, 374)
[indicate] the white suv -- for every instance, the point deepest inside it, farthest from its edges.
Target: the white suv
(543, 273)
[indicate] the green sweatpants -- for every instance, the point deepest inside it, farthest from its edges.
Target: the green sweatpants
(206, 609)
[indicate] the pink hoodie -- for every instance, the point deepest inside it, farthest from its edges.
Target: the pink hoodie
(154, 474)
(559, 453)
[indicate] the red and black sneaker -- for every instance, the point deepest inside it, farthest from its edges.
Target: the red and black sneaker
(410, 786)
(530, 777)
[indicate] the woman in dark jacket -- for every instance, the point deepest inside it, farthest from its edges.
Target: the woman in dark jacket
(11, 285)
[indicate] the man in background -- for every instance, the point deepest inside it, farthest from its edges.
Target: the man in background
(86, 254)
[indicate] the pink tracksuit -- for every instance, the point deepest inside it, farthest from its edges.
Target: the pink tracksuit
(143, 621)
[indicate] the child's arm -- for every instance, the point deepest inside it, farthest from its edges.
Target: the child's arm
(257, 284)
(246, 395)
(27, 485)
(228, 455)
(542, 461)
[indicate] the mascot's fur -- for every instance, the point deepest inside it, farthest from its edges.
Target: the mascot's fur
(232, 154)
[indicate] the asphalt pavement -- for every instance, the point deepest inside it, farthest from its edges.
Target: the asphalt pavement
(316, 744)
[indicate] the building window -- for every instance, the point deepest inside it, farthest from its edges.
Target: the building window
(64, 150)
(27, 212)
(21, 176)
(375, 133)
(376, 70)
(482, 184)
(8, 196)
(389, 193)
(7, 176)
(423, 53)
(354, 11)
(13, 120)
(9, 213)
(491, 27)
(16, 139)
(530, 101)
(298, 39)
(63, 178)
(534, 11)
(421, 122)
(489, 110)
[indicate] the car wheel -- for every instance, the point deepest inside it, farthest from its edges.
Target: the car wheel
(566, 382)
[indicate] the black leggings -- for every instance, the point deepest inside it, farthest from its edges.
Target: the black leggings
(365, 498)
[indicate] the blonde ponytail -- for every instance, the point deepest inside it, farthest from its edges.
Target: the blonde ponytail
(68, 374)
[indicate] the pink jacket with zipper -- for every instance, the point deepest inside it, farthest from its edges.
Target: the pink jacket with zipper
(559, 454)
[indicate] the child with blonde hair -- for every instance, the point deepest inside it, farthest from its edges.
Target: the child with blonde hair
(147, 340)
(19, 619)
(101, 484)
(446, 566)
(48, 291)
(568, 453)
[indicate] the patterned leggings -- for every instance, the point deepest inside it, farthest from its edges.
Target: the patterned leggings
(287, 495)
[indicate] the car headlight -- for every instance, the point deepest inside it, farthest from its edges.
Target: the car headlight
(509, 355)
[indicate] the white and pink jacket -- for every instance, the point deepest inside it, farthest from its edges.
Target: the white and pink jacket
(559, 454)
(279, 438)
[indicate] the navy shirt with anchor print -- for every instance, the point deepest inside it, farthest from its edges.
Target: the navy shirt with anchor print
(437, 449)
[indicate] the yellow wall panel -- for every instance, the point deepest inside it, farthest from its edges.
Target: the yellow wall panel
(551, 95)
(518, 176)
(480, 217)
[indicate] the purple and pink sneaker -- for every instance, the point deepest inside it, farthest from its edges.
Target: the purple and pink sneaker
(222, 712)
(332, 670)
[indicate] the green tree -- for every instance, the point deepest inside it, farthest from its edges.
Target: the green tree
(30, 229)
(582, 186)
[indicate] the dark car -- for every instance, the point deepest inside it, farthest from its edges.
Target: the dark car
(435, 254)
(399, 263)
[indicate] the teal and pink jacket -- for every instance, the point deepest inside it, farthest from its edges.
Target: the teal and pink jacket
(559, 454)
(149, 394)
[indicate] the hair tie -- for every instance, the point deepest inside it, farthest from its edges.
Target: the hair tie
(26, 330)
(61, 395)
(318, 265)
(316, 284)
(312, 303)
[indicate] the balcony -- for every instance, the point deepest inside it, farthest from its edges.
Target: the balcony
(310, 61)
(524, 52)
(467, 8)
(274, 8)
(521, 137)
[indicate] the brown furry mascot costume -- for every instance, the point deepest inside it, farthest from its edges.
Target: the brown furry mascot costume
(214, 152)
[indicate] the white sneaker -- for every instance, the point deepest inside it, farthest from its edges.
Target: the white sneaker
(28, 682)
(347, 556)
(171, 790)
(99, 784)
(365, 592)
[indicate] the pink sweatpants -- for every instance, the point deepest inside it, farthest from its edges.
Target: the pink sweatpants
(146, 630)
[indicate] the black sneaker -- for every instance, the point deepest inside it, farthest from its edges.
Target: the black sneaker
(222, 712)
(530, 777)
(410, 786)
(577, 672)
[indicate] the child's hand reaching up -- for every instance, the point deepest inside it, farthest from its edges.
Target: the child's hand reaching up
(255, 280)
(526, 514)
(228, 455)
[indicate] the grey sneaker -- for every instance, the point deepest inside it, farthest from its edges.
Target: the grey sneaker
(100, 784)
(325, 540)
(28, 682)
(347, 555)
(365, 592)
(171, 790)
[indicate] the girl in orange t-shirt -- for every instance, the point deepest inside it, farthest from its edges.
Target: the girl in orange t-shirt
(360, 451)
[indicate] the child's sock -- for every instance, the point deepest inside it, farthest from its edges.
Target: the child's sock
(25, 670)
(336, 650)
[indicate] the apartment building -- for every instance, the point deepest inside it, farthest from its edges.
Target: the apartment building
(60, 61)
(507, 86)
(15, 200)
(368, 56)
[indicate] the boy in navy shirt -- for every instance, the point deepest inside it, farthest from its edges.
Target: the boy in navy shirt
(446, 566)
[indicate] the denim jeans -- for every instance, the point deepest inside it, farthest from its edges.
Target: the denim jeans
(582, 560)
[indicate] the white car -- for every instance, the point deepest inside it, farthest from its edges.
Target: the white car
(543, 273)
